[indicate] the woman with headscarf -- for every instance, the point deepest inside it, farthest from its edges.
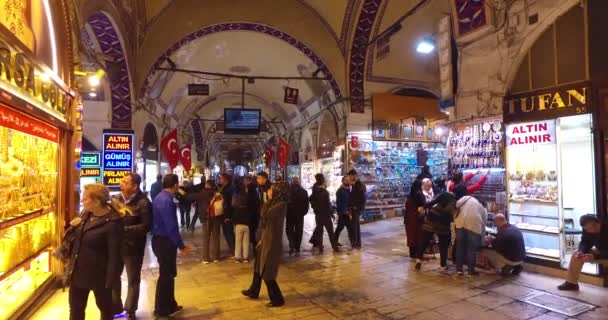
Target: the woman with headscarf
(414, 215)
(270, 247)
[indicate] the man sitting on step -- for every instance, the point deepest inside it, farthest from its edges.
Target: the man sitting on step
(593, 248)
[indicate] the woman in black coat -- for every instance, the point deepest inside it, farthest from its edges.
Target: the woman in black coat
(414, 217)
(270, 247)
(95, 257)
(437, 221)
(321, 205)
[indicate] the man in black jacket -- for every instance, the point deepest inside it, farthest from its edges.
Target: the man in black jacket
(321, 205)
(136, 226)
(508, 248)
(593, 248)
(227, 227)
(358, 198)
(297, 208)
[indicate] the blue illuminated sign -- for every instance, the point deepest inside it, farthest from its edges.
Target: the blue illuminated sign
(117, 155)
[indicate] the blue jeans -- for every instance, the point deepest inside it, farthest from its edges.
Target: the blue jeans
(467, 246)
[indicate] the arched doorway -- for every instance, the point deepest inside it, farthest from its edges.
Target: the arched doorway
(111, 45)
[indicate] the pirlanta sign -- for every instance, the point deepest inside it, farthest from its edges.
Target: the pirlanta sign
(117, 155)
(541, 132)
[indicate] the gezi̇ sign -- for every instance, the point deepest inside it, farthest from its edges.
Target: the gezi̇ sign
(117, 155)
(90, 163)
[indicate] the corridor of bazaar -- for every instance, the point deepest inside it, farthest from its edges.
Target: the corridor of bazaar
(303, 159)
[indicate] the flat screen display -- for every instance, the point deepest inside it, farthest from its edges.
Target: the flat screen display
(242, 121)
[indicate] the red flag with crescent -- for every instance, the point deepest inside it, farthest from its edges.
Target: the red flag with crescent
(185, 156)
(268, 155)
(169, 147)
(283, 153)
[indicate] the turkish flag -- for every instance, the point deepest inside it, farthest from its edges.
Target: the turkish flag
(283, 153)
(185, 156)
(268, 152)
(169, 146)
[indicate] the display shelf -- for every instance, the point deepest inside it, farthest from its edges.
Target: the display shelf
(23, 263)
(545, 253)
(544, 230)
(386, 206)
(515, 200)
(23, 218)
(533, 215)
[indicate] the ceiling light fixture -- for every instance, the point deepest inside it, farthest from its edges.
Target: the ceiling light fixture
(92, 94)
(426, 45)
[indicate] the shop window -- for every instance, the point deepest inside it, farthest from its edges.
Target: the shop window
(550, 165)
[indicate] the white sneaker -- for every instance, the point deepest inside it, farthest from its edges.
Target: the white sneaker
(205, 262)
(216, 261)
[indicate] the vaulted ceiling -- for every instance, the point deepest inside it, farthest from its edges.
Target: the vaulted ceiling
(277, 38)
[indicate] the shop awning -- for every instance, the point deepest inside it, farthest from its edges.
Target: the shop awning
(393, 108)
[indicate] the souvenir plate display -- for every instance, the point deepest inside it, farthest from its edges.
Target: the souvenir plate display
(389, 168)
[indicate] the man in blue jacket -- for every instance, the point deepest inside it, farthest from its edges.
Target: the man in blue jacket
(345, 215)
(166, 240)
(508, 248)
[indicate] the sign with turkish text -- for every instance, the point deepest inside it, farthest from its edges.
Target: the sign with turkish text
(198, 89)
(16, 120)
(541, 132)
(117, 155)
(90, 159)
(548, 104)
(90, 172)
(21, 76)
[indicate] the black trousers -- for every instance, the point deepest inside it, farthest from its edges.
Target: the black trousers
(132, 264)
(196, 217)
(274, 292)
(294, 228)
(228, 229)
(78, 298)
(444, 245)
(184, 213)
(344, 221)
(317, 235)
(356, 228)
(166, 255)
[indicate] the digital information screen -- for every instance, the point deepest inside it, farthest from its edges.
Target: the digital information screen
(242, 119)
(90, 164)
(117, 155)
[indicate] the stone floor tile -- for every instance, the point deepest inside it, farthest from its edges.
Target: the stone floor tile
(513, 291)
(597, 314)
(461, 310)
(429, 315)
(490, 300)
(519, 310)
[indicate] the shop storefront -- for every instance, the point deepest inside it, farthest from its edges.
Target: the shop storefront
(37, 156)
(551, 169)
(408, 133)
(476, 148)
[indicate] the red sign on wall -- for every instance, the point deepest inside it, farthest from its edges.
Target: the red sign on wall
(16, 120)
